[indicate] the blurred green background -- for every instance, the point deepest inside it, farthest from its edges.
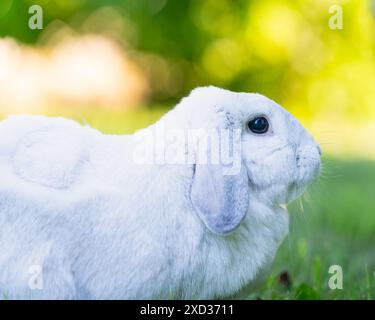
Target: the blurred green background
(119, 65)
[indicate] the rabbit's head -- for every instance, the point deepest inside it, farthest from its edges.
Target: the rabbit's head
(277, 157)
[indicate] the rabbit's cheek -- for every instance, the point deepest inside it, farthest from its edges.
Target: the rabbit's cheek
(277, 168)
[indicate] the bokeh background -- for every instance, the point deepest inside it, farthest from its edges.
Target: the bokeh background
(120, 64)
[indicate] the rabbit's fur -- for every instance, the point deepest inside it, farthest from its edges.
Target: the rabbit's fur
(102, 226)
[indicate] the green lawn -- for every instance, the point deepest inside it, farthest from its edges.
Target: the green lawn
(333, 224)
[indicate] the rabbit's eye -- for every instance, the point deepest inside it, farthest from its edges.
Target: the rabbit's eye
(258, 125)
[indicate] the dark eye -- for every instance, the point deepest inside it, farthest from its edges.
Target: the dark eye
(258, 125)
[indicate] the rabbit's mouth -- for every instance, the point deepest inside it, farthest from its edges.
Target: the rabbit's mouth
(294, 191)
(308, 169)
(307, 173)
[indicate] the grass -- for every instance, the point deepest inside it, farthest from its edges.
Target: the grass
(333, 224)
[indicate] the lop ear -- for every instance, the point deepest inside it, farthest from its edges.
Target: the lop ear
(220, 199)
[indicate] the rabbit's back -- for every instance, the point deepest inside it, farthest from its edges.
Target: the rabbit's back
(64, 191)
(44, 151)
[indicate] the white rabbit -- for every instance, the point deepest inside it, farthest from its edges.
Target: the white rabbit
(82, 216)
